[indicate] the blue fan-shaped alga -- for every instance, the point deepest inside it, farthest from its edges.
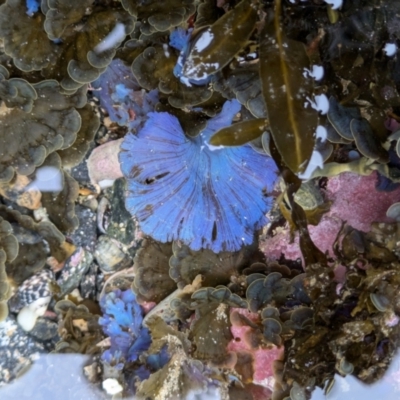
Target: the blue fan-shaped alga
(182, 188)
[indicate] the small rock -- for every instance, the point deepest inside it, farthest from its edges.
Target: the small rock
(309, 196)
(88, 283)
(86, 234)
(45, 330)
(18, 192)
(91, 372)
(122, 226)
(80, 172)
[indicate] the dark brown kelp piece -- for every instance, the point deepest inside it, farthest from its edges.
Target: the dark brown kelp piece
(240, 133)
(216, 46)
(282, 64)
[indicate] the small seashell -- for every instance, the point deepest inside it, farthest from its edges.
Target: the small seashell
(75, 267)
(380, 301)
(329, 386)
(297, 392)
(109, 256)
(394, 211)
(32, 289)
(345, 367)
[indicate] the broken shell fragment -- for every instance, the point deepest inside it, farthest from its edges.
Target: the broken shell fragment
(28, 315)
(394, 211)
(380, 301)
(103, 164)
(345, 367)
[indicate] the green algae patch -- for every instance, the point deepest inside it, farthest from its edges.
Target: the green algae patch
(24, 37)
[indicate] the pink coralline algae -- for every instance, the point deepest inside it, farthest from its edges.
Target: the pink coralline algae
(355, 201)
(263, 357)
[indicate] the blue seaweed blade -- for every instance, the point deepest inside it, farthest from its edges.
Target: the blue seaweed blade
(183, 188)
(179, 39)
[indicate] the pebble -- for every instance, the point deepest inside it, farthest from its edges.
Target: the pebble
(86, 234)
(88, 288)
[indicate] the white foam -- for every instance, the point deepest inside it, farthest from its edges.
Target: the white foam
(316, 161)
(321, 133)
(316, 72)
(320, 103)
(390, 49)
(336, 4)
(48, 179)
(112, 386)
(114, 38)
(203, 41)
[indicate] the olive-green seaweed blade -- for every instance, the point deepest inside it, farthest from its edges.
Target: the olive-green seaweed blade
(217, 45)
(287, 91)
(240, 133)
